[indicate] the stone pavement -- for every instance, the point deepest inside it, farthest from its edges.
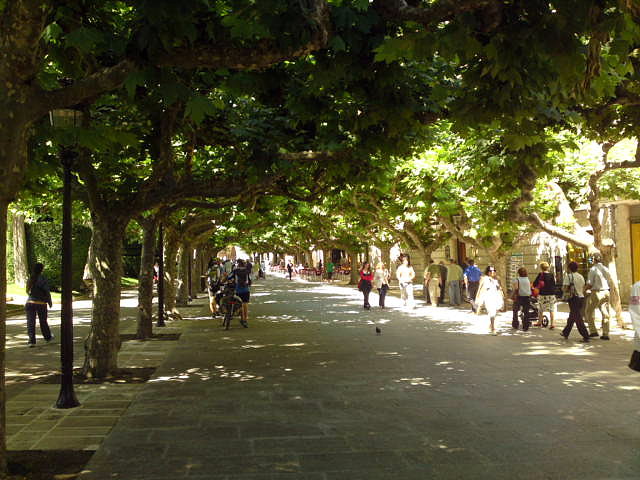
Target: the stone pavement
(32, 421)
(309, 392)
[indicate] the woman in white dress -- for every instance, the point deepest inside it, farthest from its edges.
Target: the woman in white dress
(490, 295)
(405, 275)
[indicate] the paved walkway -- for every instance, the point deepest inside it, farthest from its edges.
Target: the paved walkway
(310, 392)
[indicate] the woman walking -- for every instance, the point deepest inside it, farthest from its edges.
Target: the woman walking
(381, 279)
(490, 295)
(573, 284)
(546, 283)
(366, 277)
(39, 298)
(405, 275)
(521, 299)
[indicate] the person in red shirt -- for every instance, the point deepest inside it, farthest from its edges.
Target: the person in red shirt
(366, 277)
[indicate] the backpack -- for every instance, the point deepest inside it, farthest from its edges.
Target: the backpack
(213, 279)
(242, 278)
(570, 292)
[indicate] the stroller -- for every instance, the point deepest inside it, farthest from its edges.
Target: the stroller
(532, 314)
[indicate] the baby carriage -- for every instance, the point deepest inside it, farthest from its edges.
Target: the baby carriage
(532, 314)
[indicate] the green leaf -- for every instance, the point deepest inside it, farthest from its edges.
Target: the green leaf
(337, 44)
(133, 80)
(199, 107)
(84, 39)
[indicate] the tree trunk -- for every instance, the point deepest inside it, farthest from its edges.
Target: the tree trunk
(608, 259)
(170, 255)
(20, 258)
(355, 268)
(87, 276)
(145, 278)
(182, 297)
(4, 205)
(103, 342)
(196, 270)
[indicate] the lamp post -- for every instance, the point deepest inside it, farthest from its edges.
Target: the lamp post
(65, 119)
(160, 276)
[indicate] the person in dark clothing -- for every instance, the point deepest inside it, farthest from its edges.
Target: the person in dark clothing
(546, 283)
(39, 298)
(471, 278)
(366, 277)
(574, 282)
(290, 269)
(242, 279)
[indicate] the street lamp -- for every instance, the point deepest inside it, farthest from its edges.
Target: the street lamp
(66, 119)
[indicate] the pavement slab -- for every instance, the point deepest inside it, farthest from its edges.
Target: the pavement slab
(310, 392)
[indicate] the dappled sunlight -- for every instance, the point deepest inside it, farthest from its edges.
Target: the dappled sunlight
(415, 381)
(389, 354)
(555, 348)
(205, 374)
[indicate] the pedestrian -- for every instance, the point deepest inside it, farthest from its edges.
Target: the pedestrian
(471, 277)
(443, 281)
(263, 268)
(320, 265)
(213, 285)
(521, 299)
(249, 267)
(405, 275)
(598, 286)
(432, 277)
(634, 312)
(381, 278)
(546, 283)
(243, 283)
(573, 284)
(37, 301)
(365, 284)
(330, 268)
(454, 279)
(490, 295)
(228, 266)
(290, 270)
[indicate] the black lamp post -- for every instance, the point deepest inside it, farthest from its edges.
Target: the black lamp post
(160, 276)
(66, 118)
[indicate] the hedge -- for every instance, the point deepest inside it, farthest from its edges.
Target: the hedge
(43, 244)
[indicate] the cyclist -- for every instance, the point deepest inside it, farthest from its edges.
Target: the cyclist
(241, 276)
(213, 284)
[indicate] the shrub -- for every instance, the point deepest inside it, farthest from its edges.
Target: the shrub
(44, 240)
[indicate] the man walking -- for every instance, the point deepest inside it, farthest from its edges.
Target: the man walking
(454, 277)
(598, 284)
(472, 276)
(330, 268)
(432, 282)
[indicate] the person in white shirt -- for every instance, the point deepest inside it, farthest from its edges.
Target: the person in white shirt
(521, 299)
(381, 281)
(405, 275)
(573, 283)
(598, 285)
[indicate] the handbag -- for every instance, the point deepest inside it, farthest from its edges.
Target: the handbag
(570, 291)
(360, 284)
